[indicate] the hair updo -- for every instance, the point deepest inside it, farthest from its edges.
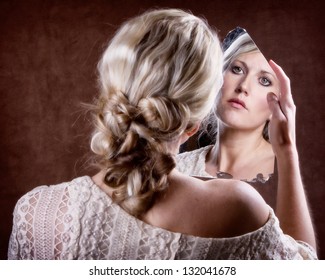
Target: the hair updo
(158, 76)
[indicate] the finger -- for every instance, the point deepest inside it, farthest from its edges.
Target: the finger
(275, 106)
(285, 99)
(282, 77)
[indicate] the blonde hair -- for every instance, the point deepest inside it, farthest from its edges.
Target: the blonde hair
(158, 76)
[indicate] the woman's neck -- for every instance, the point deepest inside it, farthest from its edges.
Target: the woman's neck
(243, 154)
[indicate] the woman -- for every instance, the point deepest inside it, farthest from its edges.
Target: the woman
(240, 123)
(158, 76)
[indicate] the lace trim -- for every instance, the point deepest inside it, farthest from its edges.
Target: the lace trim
(258, 179)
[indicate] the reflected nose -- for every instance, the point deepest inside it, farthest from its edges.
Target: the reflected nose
(242, 87)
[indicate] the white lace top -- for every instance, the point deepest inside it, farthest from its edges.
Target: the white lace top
(77, 220)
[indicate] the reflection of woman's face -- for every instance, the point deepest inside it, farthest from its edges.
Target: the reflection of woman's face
(242, 103)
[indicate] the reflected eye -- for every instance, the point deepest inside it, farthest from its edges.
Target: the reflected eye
(265, 81)
(237, 70)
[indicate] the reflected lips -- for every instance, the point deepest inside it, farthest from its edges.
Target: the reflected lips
(237, 103)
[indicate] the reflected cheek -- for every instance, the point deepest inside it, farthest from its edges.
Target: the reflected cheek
(266, 112)
(225, 93)
(228, 81)
(219, 110)
(264, 106)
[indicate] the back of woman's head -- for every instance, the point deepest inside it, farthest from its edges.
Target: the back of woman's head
(158, 76)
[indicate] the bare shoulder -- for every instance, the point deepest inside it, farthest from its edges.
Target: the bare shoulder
(218, 208)
(243, 208)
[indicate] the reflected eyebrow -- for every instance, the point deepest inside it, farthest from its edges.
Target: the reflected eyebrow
(266, 72)
(261, 71)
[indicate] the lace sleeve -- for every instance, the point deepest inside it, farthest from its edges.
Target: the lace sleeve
(21, 243)
(38, 224)
(276, 245)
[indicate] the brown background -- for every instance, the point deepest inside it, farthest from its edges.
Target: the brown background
(49, 50)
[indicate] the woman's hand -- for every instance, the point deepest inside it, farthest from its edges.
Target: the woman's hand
(292, 207)
(282, 124)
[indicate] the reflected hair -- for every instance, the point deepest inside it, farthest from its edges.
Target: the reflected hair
(241, 45)
(158, 78)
